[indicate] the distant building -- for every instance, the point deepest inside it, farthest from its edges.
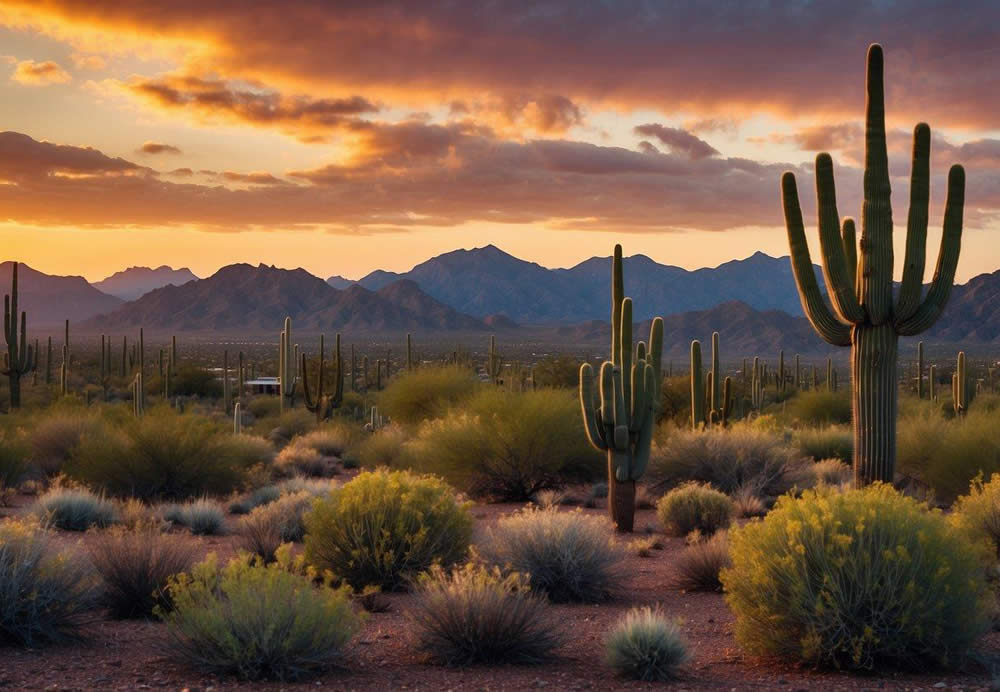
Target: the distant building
(264, 385)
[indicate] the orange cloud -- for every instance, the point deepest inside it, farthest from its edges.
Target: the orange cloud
(39, 73)
(706, 59)
(158, 148)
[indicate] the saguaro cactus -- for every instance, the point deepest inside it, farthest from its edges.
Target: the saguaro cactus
(620, 419)
(697, 387)
(494, 362)
(20, 358)
(237, 419)
(932, 383)
(920, 370)
(960, 387)
(321, 405)
(860, 289)
(227, 391)
(711, 387)
(286, 367)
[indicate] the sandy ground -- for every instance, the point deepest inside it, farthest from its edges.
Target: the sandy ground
(128, 655)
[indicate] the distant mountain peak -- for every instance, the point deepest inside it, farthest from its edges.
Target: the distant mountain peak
(129, 284)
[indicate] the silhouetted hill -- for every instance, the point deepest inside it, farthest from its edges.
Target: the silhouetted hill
(241, 296)
(487, 281)
(134, 282)
(49, 300)
(972, 313)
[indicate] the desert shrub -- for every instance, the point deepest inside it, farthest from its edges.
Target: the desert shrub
(134, 514)
(507, 446)
(261, 496)
(830, 442)
(55, 436)
(978, 513)
(313, 486)
(570, 556)
(289, 425)
(74, 509)
(165, 455)
(694, 507)
(426, 393)
(384, 527)
(385, 447)
(332, 439)
(297, 459)
(947, 455)
(257, 621)
(732, 458)
(475, 614)
(855, 579)
(748, 503)
(832, 472)
(134, 567)
(644, 645)
(250, 451)
(819, 407)
(264, 406)
(268, 526)
(202, 517)
(45, 596)
(561, 372)
(13, 464)
(699, 564)
(550, 498)
(643, 547)
(675, 399)
(194, 381)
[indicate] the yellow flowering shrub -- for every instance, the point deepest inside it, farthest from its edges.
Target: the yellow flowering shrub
(384, 527)
(978, 514)
(855, 579)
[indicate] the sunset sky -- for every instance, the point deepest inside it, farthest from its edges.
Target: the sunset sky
(346, 136)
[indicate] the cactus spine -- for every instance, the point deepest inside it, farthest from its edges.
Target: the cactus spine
(20, 358)
(620, 419)
(321, 405)
(864, 316)
(286, 368)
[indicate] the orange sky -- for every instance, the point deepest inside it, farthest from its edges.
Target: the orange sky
(195, 134)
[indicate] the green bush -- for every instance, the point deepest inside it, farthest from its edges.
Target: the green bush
(694, 507)
(644, 645)
(202, 517)
(288, 426)
(426, 393)
(165, 455)
(729, 459)
(819, 407)
(855, 579)
(193, 381)
(570, 556)
(74, 509)
(332, 439)
(13, 464)
(830, 442)
(297, 459)
(699, 565)
(477, 615)
(134, 567)
(256, 621)
(946, 455)
(385, 447)
(55, 437)
(385, 527)
(508, 446)
(832, 472)
(978, 513)
(560, 372)
(45, 597)
(261, 496)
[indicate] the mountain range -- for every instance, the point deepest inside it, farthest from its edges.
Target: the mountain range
(135, 282)
(49, 300)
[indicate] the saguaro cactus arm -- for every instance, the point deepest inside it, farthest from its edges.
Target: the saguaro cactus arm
(826, 324)
(835, 272)
(916, 225)
(944, 274)
(848, 238)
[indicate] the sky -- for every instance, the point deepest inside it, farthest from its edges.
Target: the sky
(343, 137)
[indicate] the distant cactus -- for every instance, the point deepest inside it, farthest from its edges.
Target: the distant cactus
(64, 372)
(321, 405)
(861, 291)
(697, 387)
(237, 419)
(494, 363)
(960, 387)
(781, 371)
(286, 368)
(797, 383)
(20, 358)
(932, 383)
(409, 353)
(227, 392)
(620, 418)
(138, 395)
(920, 370)
(716, 390)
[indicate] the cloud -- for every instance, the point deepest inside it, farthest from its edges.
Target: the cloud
(39, 73)
(255, 178)
(89, 62)
(678, 141)
(157, 148)
(182, 172)
(662, 56)
(217, 100)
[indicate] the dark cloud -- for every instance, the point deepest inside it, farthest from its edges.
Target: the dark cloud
(157, 148)
(678, 141)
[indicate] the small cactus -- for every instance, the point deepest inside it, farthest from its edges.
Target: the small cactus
(20, 358)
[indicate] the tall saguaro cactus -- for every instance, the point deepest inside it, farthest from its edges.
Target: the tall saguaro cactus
(20, 358)
(321, 405)
(860, 288)
(286, 367)
(920, 370)
(620, 418)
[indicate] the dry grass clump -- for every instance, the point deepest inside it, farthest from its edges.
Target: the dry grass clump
(644, 645)
(699, 565)
(694, 507)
